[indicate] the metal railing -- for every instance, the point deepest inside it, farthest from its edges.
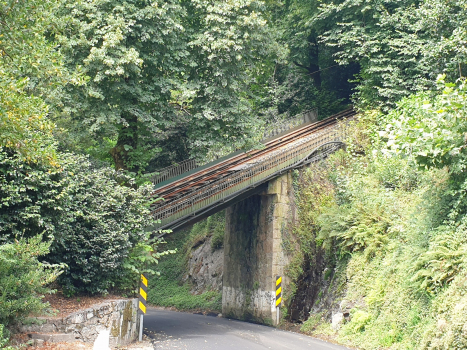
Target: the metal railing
(190, 164)
(272, 163)
(286, 125)
(174, 170)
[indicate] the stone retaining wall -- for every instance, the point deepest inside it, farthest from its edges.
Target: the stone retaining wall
(117, 316)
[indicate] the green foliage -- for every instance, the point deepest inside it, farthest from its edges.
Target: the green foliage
(23, 123)
(24, 279)
(171, 289)
(305, 76)
(218, 231)
(432, 128)
(400, 234)
(311, 323)
(4, 337)
(143, 257)
(30, 70)
(174, 295)
(363, 223)
(160, 68)
(103, 221)
(444, 259)
(360, 319)
(94, 220)
(400, 46)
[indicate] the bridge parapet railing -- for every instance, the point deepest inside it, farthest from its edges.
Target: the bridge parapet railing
(174, 170)
(190, 164)
(223, 188)
(288, 124)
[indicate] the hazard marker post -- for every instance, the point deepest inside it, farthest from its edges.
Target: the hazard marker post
(278, 297)
(142, 302)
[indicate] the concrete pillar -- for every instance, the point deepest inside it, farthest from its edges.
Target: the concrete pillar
(253, 253)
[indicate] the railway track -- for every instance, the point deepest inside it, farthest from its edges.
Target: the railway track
(195, 180)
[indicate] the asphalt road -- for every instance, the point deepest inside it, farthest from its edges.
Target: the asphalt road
(180, 330)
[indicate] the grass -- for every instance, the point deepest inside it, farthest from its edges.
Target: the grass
(169, 289)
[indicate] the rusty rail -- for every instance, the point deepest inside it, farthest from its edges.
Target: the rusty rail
(250, 176)
(189, 164)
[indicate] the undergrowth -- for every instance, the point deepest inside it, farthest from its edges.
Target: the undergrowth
(170, 290)
(401, 233)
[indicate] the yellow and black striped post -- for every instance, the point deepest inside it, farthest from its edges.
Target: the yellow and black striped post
(143, 297)
(278, 297)
(143, 293)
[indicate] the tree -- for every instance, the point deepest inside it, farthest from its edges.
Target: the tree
(30, 69)
(24, 278)
(401, 46)
(307, 76)
(151, 66)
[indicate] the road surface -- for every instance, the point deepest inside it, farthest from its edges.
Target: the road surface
(180, 330)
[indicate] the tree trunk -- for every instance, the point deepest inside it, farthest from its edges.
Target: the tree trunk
(127, 143)
(313, 61)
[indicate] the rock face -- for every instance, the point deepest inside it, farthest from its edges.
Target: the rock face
(205, 268)
(119, 317)
(337, 320)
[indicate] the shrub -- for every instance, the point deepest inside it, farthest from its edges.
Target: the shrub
(218, 231)
(4, 339)
(95, 221)
(101, 221)
(24, 278)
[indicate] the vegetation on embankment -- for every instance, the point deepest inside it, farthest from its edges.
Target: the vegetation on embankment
(172, 288)
(383, 226)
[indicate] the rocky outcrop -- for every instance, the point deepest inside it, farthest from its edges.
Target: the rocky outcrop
(205, 267)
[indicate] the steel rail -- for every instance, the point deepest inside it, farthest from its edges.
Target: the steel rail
(326, 152)
(221, 189)
(211, 174)
(190, 164)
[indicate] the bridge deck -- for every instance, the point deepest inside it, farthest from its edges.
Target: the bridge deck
(198, 190)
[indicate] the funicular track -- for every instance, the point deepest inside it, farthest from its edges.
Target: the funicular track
(201, 190)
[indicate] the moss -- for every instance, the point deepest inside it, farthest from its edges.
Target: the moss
(115, 329)
(127, 318)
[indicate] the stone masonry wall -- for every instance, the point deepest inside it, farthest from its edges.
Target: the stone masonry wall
(253, 253)
(118, 316)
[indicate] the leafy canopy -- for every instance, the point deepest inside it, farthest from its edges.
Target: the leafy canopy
(432, 129)
(151, 66)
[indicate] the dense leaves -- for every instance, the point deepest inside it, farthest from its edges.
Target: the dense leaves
(24, 278)
(28, 64)
(432, 128)
(94, 220)
(151, 67)
(401, 46)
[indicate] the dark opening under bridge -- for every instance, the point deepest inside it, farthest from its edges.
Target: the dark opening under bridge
(192, 192)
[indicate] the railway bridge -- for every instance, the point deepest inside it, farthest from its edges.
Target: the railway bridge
(256, 188)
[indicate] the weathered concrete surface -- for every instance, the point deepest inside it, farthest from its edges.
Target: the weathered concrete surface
(118, 316)
(253, 252)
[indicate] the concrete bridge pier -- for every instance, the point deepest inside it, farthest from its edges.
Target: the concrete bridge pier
(256, 229)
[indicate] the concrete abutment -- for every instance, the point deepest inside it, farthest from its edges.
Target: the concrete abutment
(253, 251)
